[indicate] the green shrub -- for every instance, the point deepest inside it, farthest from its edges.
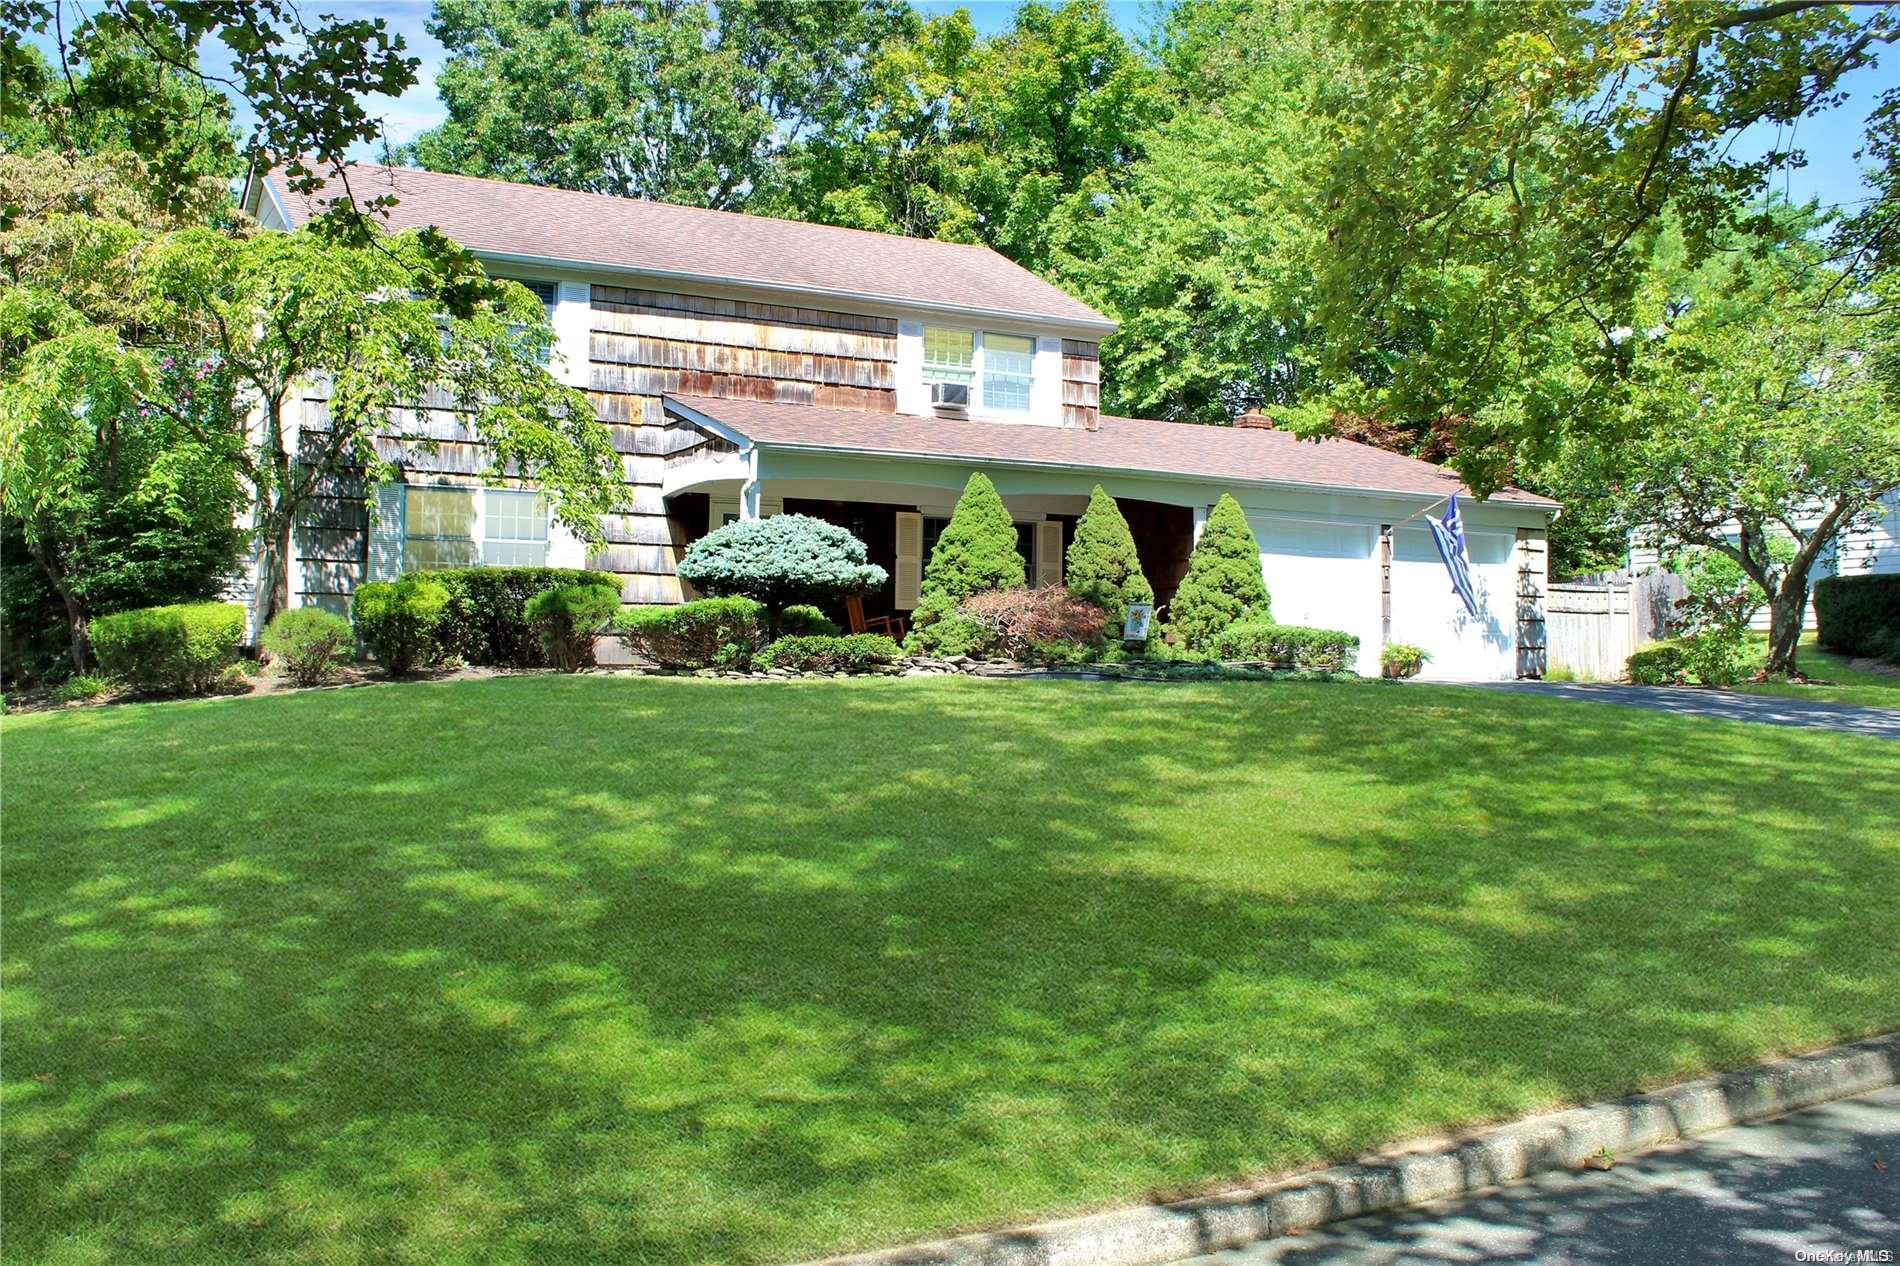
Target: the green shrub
(1664, 663)
(1403, 660)
(308, 642)
(852, 653)
(1223, 582)
(398, 620)
(1719, 655)
(176, 649)
(804, 620)
(1859, 615)
(485, 621)
(1102, 565)
(81, 688)
(567, 620)
(976, 551)
(784, 560)
(951, 635)
(1317, 650)
(704, 633)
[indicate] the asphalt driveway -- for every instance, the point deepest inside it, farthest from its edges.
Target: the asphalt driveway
(1727, 705)
(1803, 1187)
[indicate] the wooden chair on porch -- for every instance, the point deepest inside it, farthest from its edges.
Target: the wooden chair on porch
(890, 625)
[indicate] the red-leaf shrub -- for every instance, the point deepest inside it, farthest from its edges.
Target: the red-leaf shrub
(1022, 618)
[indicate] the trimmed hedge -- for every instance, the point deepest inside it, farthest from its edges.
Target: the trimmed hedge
(804, 620)
(1859, 615)
(1664, 663)
(177, 649)
(852, 653)
(1223, 585)
(308, 642)
(1103, 566)
(1317, 650)
(485, 621)
(398, 620)
(567, 619)
(704, 633)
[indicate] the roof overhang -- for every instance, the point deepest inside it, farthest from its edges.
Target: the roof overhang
(736, 435)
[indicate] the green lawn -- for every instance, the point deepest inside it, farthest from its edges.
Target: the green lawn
(665, 970)
(1845, 683)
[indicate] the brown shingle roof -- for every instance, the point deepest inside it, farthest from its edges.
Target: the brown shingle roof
(1131, 445)
(657, 238)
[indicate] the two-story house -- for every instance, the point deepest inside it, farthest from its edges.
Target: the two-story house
(748, 366)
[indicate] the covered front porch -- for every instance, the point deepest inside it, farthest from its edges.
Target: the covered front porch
(898, 513)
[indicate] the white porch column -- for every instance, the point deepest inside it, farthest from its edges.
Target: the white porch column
(749, 491)
(1200, 521)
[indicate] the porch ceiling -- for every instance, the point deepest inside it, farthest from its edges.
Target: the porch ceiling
(1123, 445)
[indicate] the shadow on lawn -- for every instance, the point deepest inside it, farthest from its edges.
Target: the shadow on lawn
(671, 971)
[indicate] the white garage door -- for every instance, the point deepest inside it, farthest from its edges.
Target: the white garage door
(1425, 611)
(1323, 575)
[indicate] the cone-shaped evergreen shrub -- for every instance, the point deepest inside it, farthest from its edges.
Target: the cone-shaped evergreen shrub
(1102, 565)
(1223, 582)
(977, 551)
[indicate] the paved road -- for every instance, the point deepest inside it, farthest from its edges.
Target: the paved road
(1724, 704)
(1754, 1193)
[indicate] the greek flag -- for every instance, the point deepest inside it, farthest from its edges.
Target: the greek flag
(1449, 535)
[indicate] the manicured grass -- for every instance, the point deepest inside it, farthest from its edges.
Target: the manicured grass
(1845, 683)
(618, 970)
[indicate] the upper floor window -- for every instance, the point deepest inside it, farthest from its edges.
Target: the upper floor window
(548, 293)
(949, 355)
(1009, 367)
(1000, 369)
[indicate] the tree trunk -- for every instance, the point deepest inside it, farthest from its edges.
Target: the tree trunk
(1784, 627)
(75, 612)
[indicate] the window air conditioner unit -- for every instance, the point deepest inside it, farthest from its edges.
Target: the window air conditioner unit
(950, 397)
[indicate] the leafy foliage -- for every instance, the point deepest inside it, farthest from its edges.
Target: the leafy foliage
(308, 642)
(1223, 582)
(685, 101)
(849, 653)
(178, 649)
(780, 561)
(1664, 663)
(1400, 659)
(398, 620)
(1018, 620)
(698, 634)
(804, 620)
(486, 622)
(1102, 565)
(567, 620)
(1859, 615)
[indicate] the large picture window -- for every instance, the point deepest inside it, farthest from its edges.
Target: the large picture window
(466, 527)
(1009, 367)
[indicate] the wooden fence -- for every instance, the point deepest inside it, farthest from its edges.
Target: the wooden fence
(1593, 623)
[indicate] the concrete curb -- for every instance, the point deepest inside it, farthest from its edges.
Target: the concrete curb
(1153, 1234)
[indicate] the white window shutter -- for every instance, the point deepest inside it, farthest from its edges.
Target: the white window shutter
(385, 540)
(1048, 553)
(908, 572)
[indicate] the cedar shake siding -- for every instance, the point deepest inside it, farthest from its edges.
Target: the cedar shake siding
(1081, 384)
(643, 344)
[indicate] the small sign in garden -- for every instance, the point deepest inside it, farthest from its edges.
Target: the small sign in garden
(1140, 616)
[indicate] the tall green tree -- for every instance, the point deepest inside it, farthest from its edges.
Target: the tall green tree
(115, 502)
(134, 64)
(1223, 582)
(975, 551)
(997, 140)
(681, 100)
(1758, 420)
(1102, 566)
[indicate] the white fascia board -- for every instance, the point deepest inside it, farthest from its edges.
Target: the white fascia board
(867, 304)
(713, 425)
(1017, 463)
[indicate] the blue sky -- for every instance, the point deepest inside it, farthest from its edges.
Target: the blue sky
(1830, 140)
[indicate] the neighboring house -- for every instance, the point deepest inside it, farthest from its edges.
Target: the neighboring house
(749, 366)
(1872, 549)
